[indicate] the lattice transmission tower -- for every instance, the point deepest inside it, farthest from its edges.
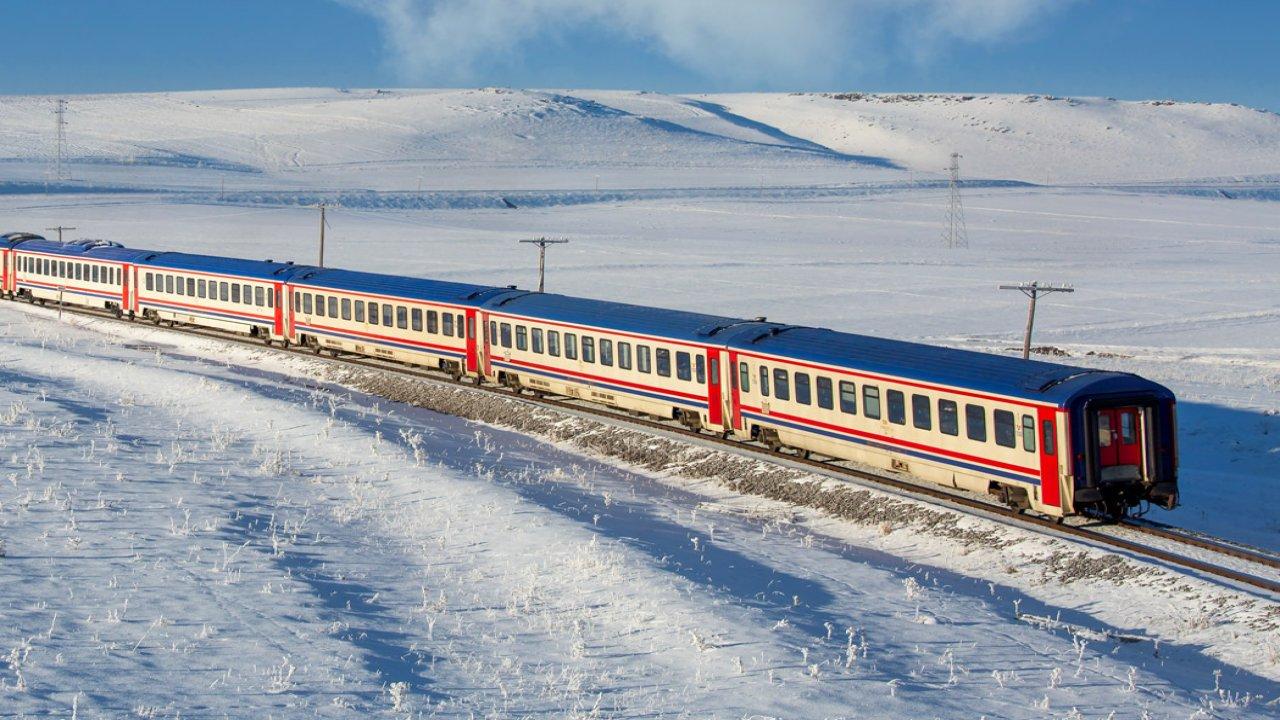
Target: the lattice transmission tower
(60, 119)
(954, 233)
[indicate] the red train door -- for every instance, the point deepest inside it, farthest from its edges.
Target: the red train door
(735, 391)
(473, 359)
(124, 288)
(1118, 437)
(1050, 489)
(289, 327)
(715, 400)
(4, 270)
(279, 309)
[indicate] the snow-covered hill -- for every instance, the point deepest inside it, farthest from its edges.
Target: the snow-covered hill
(487, 138)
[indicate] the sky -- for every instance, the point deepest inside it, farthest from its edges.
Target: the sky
(1224, 51)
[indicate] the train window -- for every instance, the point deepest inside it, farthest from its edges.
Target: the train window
(848, 398)
(96, 274)
(624, 355)
(271, 297)
(948, 417)
(168, 284)
(1006, 436)
(504, 335)
(1046, 428)
(571, 346)
(700, 369)
(804, 394)
(235, 298)
(180, 286)
(1028, 433)
(297, 298)
(493, 333)
(664, 362)
(62, 268)
(49, 265)
(77, 270)
(825, 399)
(359, 311)
(346, 305)
(643, 361)
(921, 413)
(191, 287)
(537, 339)
(402, 317)
(200, 288)
(373, 313)
(446, 320)
(588, 349)
(471, 327)
(319, 301)
(606, 352)
(222, 291)
(1127, 433)
(333, 306)
(246, 294)
(715, 372)
(307, 303)
(744, 377)
(764, 381)
(683, 369)
(461, 325)
(553, 343)
(897, 407)
(781, 384)
(871, 401)
(260, 299)
(388, 314)
(433, 321)
(522, 337)
(975, 422)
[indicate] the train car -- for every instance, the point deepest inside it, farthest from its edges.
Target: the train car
(9, 243)
(1053, 438)
(88, 273)
(422, 322)
(218, 292)
(664, 363)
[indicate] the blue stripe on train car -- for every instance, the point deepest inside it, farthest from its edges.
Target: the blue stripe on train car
(54, 288)
(893, 448)
(610, 386)
(380, 341)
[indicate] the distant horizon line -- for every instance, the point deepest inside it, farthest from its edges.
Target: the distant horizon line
(643, 91)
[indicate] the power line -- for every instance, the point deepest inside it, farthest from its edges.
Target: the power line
(542, 244)
(954, 233)
(60, 228)
(1034, 290)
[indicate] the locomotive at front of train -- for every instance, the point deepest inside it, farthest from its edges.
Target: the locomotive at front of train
(1124, 445)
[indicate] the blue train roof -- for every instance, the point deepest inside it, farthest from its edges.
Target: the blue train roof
(986, 372)
(259, 269)
(639, 319)
(9, 240)
(90, 249)
(399, 286)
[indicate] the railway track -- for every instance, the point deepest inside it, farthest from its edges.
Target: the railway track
(1110, 535)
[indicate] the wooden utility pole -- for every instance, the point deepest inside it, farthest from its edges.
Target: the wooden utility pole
(60, 229)
(542, 244)
(322, 207)
(1034, 290)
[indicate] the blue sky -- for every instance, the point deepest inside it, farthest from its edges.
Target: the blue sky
(1224, 51)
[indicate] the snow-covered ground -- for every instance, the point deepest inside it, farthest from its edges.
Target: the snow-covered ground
(810, 209)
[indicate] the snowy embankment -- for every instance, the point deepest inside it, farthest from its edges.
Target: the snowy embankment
(244, 536)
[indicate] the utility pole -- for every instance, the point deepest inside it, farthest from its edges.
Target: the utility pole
(60, 113)
(955, 234)
(542, 244)
(60, 229)
(323, 206)
(1034, 290)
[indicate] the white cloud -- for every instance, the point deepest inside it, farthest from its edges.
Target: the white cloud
(756, 43)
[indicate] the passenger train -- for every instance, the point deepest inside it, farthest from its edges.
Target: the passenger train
(1050, 438)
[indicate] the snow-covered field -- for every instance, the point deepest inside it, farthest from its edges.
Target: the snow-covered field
(282, 551)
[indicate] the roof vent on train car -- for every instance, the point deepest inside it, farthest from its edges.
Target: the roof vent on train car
(760, 318)
(509, 298)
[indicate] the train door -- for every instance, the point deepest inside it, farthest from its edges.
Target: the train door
(482, 343)
(473, 355)
(4, 270)
(289, 308)
(124, 288)
(278, 320)
(735, 392)
(1119, 448)
(715, 401)
(1050, 478)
